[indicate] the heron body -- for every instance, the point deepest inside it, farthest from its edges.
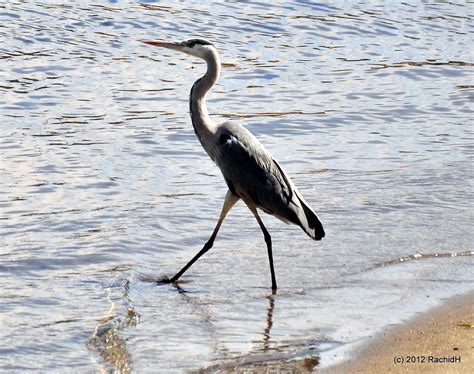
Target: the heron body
(248, 168)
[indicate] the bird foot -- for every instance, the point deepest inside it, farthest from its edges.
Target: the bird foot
(164, 280)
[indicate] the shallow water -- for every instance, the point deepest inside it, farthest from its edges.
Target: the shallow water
(105, 189)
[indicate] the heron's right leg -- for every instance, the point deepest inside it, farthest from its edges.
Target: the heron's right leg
(268, 240)
(230, 200)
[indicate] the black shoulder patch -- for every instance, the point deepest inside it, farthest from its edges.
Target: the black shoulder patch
(224, 138)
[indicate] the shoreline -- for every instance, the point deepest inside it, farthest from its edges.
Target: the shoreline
(440, 340)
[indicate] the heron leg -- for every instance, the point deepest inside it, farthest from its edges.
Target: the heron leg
(230, 200)
(268, 240)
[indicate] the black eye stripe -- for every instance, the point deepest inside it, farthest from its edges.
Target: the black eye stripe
(192, 42)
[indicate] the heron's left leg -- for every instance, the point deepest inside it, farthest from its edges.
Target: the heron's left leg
(268, 240)
(230, 200)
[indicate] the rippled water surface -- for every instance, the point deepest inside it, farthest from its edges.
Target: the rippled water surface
(105, 188)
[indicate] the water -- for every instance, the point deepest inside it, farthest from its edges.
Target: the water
(104, 187)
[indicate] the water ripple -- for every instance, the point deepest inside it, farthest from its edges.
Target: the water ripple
(366, 105)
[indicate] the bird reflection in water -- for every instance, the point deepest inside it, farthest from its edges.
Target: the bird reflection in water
(269, 323)
(266, 357)
(108, 343)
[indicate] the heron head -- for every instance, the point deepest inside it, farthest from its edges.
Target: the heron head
(195, 47)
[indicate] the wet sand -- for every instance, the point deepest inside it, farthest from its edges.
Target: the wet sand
(439, 341)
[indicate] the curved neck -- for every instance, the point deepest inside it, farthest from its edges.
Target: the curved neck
(202, 123)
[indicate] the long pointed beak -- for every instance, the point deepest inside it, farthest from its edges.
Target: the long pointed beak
(165, 44)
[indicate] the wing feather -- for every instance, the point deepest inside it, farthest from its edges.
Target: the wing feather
(252, 174)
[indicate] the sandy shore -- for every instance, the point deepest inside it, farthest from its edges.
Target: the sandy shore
(439, 341)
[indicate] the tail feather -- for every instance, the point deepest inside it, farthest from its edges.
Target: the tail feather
(300, 214)
(311, 224)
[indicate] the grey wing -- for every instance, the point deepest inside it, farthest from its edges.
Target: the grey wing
(252, 174)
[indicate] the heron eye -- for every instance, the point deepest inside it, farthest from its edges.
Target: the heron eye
(224, 138)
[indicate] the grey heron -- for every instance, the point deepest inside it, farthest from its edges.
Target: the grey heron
(248, 168)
